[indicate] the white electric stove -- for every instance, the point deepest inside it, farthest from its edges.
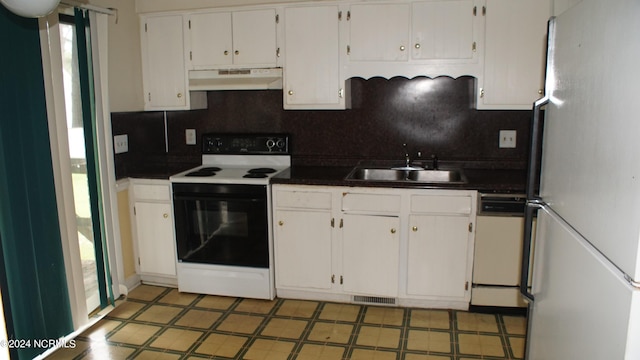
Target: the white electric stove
(222, 212)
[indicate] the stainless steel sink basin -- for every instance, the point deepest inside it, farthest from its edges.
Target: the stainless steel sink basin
(377, 174)
(450, 176)
(436, 176)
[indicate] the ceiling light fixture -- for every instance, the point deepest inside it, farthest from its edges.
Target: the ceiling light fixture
(31, 8)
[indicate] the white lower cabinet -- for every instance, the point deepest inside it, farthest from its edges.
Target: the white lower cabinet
(438, 244)
(409, 247)
(303, 251)
(370, 254)
(153, 231)
(303, 232)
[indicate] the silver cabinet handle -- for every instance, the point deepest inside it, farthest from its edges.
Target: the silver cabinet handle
(290, 92)
(417, 46)
(402, 47)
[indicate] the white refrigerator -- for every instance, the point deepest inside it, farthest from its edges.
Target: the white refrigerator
(585, 293)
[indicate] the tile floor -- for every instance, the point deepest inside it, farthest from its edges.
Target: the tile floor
(161, 323)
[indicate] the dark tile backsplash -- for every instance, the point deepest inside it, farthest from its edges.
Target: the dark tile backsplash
(433, 116)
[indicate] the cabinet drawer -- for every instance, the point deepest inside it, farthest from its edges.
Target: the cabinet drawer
(303, 199)
(448, 204)
(152, 192)
(371, 202)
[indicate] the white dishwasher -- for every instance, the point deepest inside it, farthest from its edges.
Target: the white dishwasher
(498, 251)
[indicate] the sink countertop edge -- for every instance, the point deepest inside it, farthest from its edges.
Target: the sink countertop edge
(488, 180)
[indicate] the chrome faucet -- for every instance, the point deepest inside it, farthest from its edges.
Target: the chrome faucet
(407, 159)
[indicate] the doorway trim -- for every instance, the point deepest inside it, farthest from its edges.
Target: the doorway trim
(54, 94)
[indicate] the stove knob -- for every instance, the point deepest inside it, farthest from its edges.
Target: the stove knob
(270, 143)
(280, 143)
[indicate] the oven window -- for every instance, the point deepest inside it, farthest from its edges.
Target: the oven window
(225, 230)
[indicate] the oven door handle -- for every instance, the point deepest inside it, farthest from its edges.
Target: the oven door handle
(217, 197)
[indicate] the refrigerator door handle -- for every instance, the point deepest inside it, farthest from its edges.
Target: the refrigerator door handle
(534, 202)
(532, 206)
(534, 150)
(536, 123)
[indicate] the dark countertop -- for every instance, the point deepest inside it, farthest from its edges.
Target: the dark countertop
(484, 180)
(152, 168)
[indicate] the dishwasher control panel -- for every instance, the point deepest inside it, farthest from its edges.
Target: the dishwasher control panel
(501, 204)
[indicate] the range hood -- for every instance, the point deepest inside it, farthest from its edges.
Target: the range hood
(235, 79)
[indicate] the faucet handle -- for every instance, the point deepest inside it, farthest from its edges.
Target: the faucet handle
(407, 158)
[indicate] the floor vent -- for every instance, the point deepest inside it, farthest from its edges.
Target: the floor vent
(374, 300)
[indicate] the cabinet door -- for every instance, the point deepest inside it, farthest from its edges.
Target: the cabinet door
(371, 246)
(515, 48)
(312, 67)
(164, 72)
(154, 229)
(443, 29)
(438, 255)
(379, 32)
(211, 40)
(303, 249)
(254, 38)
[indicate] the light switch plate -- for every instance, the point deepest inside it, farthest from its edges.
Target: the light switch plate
(121, 143)
(190, 136)
(507, 139)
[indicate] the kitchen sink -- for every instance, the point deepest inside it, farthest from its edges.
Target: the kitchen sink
(413, 175)
(449, 176)
(377, 174)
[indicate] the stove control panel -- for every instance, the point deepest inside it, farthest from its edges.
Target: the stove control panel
(246, 144)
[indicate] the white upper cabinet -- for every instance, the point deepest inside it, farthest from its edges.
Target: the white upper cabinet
(443, 30)
(379, 32)
(421, 38)
(515, 40)
(211, 40)
(164, 72)
(232, 39)
(312, 78)
(501, 43)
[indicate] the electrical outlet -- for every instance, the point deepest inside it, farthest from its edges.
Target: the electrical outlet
(507, 139)
(121, 143)
(190, 136)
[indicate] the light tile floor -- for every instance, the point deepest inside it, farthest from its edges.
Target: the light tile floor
(161, 323)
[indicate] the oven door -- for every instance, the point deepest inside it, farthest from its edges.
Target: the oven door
(222, 224)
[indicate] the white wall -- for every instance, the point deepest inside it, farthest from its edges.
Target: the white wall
(560, 6)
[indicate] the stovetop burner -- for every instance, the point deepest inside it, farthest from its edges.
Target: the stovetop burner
(254, 175)
(261, 171)
(205, 171)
